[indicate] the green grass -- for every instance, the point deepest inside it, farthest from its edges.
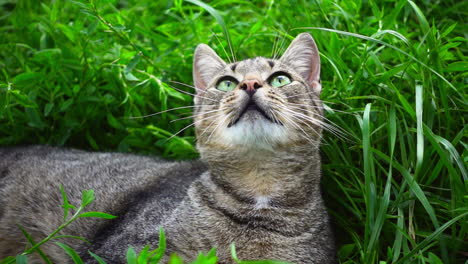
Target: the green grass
(394, 77)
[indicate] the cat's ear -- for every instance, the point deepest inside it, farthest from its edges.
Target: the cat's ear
(206, 65)
(303, 56)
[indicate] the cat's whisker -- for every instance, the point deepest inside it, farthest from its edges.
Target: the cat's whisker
(193, 87)
(305, 123)
(320, 107)
(329, 124)
(322, 140)
(275, 117)
(168, 110)
(321, 101)
(333, 125)
(294, 124)
(330, 128)
(186, 127)
(304, 108)
(182, 91)
(293, 114)
(192, 116)
(219, 125)
(208, 127)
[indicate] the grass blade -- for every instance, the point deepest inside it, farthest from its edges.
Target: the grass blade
(218, 18)
(97, 258)
(71, 252)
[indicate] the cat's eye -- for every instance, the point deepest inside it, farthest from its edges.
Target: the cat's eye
(227, 84)
(280, 80)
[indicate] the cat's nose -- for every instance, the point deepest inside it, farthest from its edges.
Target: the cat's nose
(251, 85)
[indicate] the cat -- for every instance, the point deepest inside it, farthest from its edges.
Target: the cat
(258, 124)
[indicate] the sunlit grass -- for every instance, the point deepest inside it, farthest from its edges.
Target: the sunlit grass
(74, 73)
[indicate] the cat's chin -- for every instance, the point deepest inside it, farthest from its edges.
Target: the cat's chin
(254, 130)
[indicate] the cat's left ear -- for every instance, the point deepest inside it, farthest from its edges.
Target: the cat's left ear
(206, 65)
(302, 55)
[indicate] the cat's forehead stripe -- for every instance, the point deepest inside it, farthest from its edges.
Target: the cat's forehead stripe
(233, 67)
(257, 64)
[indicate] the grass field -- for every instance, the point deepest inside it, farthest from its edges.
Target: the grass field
(394, 75)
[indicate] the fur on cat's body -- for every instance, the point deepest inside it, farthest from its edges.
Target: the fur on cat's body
(257, 183)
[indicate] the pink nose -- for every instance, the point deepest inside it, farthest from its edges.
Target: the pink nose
(250, 86)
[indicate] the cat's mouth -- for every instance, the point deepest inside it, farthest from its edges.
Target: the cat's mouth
(251, 106)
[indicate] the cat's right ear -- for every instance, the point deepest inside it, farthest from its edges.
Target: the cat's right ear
(206, 65)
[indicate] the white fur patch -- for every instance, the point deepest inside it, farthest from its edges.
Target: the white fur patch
(260, 133)
(261, 202)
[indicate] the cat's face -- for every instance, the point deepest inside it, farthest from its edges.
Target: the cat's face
(259, 103)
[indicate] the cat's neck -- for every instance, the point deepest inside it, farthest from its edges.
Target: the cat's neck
(288, 177)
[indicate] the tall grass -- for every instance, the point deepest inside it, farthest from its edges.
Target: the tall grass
(76, 73)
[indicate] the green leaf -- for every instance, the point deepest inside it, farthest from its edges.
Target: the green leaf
(87, 197)
(143, 255)
(113, 122)
(71, 252)
(132, 64)
(157, 254)
(98, 215)
(433, 259)
(21, 259)
(174, 259)
(346, 251)
(97, 258)
(131, 256)
(8, 260)
(48, 107)
(66, 205)
(22, 99)
(27, 78)
(209, 258)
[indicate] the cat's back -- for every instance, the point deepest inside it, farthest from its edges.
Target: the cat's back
(126, 185)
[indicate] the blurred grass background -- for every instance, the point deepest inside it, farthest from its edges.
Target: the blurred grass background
(394, 75)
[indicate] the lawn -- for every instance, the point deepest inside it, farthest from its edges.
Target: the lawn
(91, 74)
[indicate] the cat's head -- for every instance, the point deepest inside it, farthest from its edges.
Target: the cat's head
(259, 103)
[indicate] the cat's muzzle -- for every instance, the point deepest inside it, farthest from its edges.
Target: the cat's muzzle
(252, 108)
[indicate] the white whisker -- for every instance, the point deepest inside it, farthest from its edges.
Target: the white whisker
(330, 128)
(222, 122)
(294, 124)
(168, 110)
(329, 125)
(321, 107)
(180, 131)
(193, 87)
(206, 112)
(182, 91)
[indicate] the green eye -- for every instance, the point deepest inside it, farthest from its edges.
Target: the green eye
(280, 80)
(227, 85)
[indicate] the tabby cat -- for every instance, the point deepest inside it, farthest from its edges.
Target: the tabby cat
(259, 125)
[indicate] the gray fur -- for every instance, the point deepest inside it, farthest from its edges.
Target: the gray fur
(257, 183)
